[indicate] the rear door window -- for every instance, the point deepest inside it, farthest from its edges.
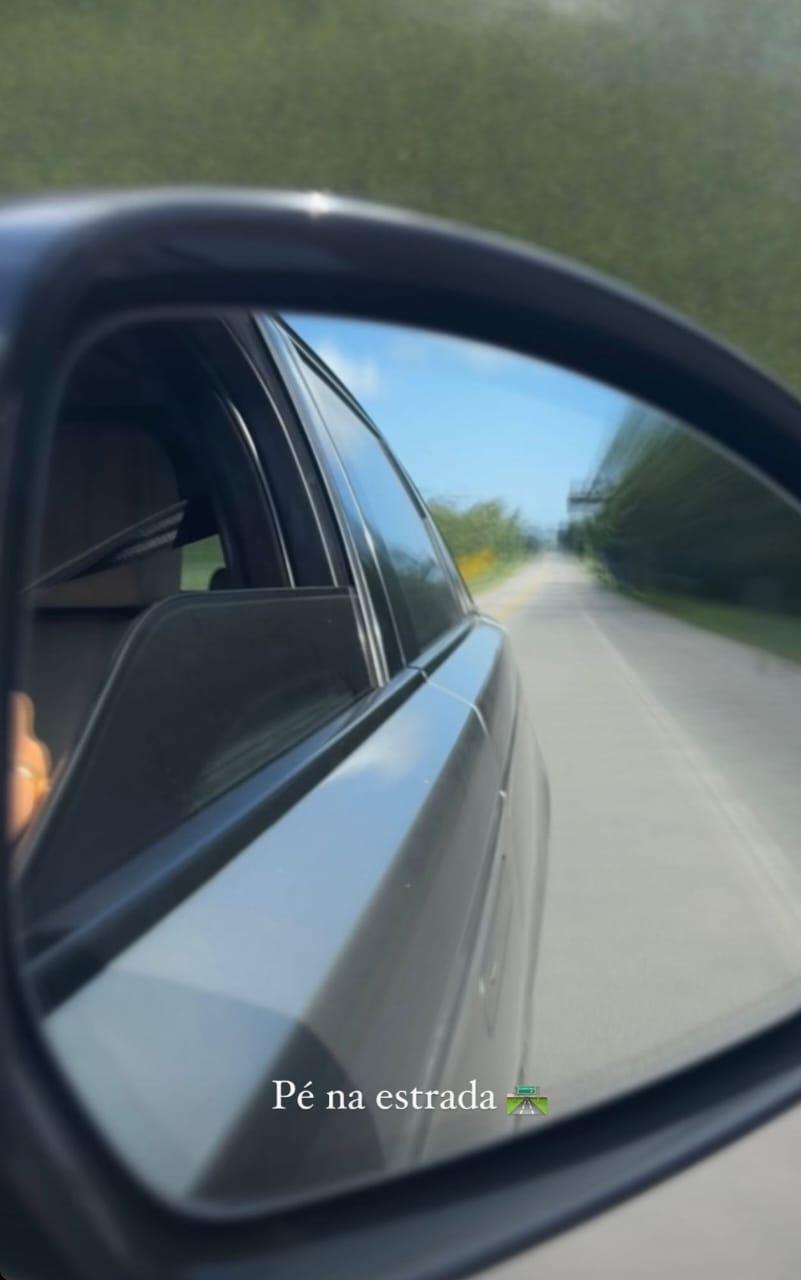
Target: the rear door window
(422, 593)
(203, 564)
(167, 661)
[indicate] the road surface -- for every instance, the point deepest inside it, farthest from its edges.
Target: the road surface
(673, 910)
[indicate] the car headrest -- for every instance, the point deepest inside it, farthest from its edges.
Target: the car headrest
(103, 479)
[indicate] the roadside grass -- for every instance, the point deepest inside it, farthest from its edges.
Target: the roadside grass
(775, 633)
(600, 572)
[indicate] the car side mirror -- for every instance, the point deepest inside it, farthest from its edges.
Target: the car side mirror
(344, 626)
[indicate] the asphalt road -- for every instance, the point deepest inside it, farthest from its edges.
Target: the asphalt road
(673, 910)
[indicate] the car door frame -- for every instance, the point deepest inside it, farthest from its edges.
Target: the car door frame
(405, 682)
(286, 352)
(181, 862)
(521, 834)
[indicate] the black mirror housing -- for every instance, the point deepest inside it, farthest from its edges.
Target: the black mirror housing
(74, 267)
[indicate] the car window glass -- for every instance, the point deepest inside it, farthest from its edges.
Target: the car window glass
(200, 561)
(158, 674)
(422, 592)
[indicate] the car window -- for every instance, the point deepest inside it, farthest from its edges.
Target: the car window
(162, 669)
(200, 561)
(94, 541)
(421, 589)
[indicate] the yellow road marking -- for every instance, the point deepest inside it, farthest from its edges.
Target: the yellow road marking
(506, 610)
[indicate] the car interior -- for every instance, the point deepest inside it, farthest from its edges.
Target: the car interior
(125, 502)
(148, 571)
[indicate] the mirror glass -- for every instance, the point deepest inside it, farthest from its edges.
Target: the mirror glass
(405, 753)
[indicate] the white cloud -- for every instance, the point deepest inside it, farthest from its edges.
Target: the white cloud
(481, 356)
(360, 375)
(413, 347)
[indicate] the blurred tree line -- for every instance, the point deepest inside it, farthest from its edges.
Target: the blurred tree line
(655, 139)
(671, 514)
(484, 536)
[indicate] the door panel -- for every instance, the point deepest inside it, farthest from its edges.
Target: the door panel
(333, 950)
(481, 670)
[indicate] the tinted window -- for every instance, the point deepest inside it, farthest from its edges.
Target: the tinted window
(158, 674)
(422, 595)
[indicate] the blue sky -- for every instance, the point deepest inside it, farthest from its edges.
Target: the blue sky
(468, 421)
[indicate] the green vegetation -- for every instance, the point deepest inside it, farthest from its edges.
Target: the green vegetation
(199, 561)
(773, 632)
(673, 514)
(655, 139)
(483, 526)
(680, 527)
(496, 572)
(487, 540)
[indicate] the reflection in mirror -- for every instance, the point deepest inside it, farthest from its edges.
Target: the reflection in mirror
(320, 873)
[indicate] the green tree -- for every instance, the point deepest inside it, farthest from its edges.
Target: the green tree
(675, 515)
